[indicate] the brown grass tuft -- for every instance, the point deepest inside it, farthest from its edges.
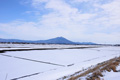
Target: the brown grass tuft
(97, 70)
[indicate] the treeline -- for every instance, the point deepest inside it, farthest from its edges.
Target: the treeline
(35, 43)
(19, 43)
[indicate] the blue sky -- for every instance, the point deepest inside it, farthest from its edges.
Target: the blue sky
(11, 10)
(78, 20)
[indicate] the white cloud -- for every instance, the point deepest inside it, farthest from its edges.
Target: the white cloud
(81, 1)
(102, 25)
(112, 10)
(105, 38)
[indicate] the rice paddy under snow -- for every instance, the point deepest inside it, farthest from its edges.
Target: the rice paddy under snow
(19, 64)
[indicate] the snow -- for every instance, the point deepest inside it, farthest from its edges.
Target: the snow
(41, 45)
(11, 46)
(15, 67)
(112, 75)
(81, 58)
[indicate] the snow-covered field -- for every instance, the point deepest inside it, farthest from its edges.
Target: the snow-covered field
(51, 64)
(29, 46)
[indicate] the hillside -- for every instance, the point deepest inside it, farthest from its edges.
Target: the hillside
(57, 40)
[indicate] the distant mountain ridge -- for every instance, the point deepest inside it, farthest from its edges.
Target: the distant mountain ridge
(57, 40)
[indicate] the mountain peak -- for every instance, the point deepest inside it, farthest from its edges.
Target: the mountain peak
(59, 38)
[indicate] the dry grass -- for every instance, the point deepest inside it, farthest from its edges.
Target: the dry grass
(96, 72)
